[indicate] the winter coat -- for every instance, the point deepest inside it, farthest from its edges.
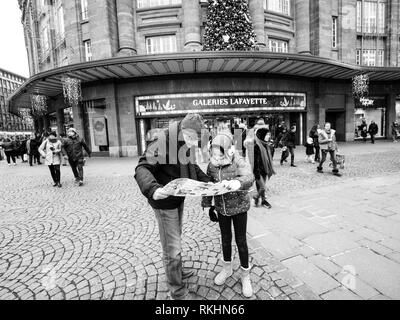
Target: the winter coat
(323, 140)
(51, 151)
(309, 149)
(395, 129)
(373, 129)
(73, 148)
(9, 145)
(314, 135)
(289, 139)
(235, 202)
(32, 146)
(363, 129)
(151, 175)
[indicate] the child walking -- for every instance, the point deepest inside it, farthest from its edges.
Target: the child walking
(227, 166)
(309, 150)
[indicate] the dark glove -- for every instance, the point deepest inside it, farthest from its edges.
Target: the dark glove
(213, 215)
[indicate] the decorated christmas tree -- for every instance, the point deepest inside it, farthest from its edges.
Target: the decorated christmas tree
(229, 26)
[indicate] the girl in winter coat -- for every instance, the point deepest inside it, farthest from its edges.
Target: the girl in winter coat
(50, 149)
(309, 150)
(227, 166)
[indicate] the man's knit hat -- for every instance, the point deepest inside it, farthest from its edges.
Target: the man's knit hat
(193, 121)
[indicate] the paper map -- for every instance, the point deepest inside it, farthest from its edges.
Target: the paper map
(184, 187)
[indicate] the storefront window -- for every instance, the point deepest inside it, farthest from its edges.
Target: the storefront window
(370, 109)
(95, 125)
(156, 3)
(398, 110)
(53, 122)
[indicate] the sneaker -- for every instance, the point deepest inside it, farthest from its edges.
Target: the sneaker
(55, 184)
(9, 165)
(266, 204)
(337, 174)
(81, 183)
(293, 165)
(15, 164)
(319, 170)
(59, 185)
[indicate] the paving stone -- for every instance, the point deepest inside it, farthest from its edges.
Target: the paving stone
(316, 279)
(330, 243)
(340, 294)
(325, 264)
(379, 272)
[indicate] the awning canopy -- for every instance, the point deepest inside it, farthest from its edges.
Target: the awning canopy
(49, 82)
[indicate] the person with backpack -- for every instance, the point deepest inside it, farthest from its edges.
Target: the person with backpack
(227, 166)
(72, 149)
(50, 150)
(169, 156)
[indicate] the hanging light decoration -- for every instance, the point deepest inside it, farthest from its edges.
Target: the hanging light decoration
(360, 86)
(26, 115)
(72, 91)
(38, 104)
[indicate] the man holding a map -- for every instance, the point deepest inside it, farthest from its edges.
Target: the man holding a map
(171, 155)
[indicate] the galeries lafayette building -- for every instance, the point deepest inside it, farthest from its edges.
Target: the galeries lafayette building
(124, 98)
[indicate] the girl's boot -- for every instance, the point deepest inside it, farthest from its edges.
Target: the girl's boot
(247, 288)
(225, 273)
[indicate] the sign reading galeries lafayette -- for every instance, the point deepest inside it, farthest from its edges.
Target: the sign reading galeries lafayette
(223, 102)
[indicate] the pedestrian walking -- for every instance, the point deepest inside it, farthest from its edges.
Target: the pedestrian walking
(314, 135)
(50, 150)
(32, 147)
(159, 165)
(363, 129)
(373, 130)
(9, 147)
(73, 148)
(395, 130)
(63, 137)
(288, 143)
(227, 166)
(261, 160)
(327, 141)
(309, 150)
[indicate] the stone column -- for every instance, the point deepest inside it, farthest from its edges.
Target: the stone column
(393, 33)
(349, 117)
(191, 25)
(302, 20)
(256, 8)
(126, 30)
(60, 121)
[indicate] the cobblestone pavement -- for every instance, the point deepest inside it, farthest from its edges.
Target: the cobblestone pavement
(100, 241)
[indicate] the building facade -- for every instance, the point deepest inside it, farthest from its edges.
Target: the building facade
(141, 65)
(10, 122)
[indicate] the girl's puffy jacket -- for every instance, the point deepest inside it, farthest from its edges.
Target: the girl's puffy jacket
(235, 202)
